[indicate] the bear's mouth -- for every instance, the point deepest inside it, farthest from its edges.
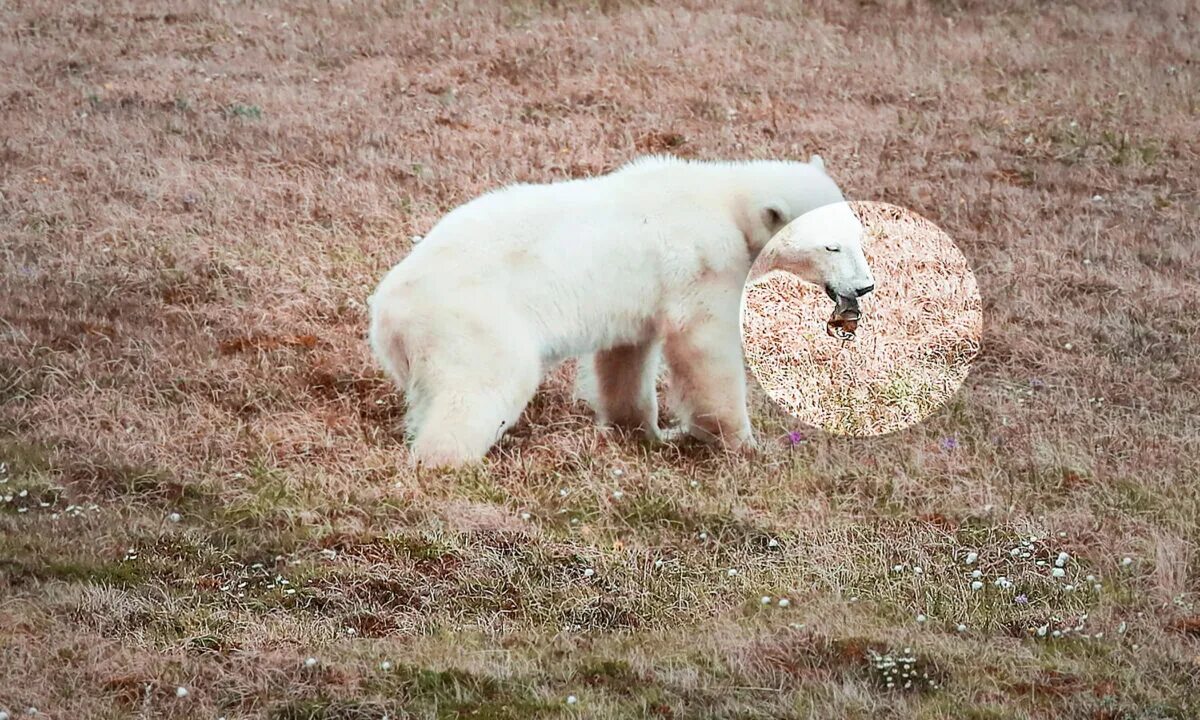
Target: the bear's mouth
(843, 322)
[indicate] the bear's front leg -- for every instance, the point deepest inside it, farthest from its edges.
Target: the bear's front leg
(703, 349)
(625, 380)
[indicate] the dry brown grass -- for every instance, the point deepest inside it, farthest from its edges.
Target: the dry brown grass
(919, 332)
(195, 199)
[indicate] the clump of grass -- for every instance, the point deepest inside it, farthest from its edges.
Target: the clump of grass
(246, 112)
(457, 693)
(902, 671)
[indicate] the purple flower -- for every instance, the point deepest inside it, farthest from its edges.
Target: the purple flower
(1021, 599)
(950, 443)
(795, 437)
(1037, 384)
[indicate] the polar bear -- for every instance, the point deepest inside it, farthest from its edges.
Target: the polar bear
(613, 269)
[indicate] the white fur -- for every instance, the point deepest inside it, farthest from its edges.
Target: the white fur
(823, 247)
(618, 268)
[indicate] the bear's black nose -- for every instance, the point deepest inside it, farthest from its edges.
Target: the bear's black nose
(863, 290)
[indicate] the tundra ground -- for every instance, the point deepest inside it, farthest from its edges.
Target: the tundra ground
(204, 485)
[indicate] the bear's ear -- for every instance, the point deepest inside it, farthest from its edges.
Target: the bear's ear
(818, 162)
(774, 218)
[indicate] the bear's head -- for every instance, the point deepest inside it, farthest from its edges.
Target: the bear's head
(823, 244)
(824, 247)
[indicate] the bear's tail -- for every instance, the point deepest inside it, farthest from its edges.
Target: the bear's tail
(387, 336)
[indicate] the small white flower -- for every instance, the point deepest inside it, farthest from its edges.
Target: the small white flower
(784, 602)
(977, 585)
(1014, 552)
(1061, 560)
(976, 574)
(525, 516)
(1091, 578)
(571, 699)
(416, 239)
(659, 563)
(174, 517)
(897, 568)
(385, 665)
(1097, 587)
(703, 536)
(917, 570)
(618, 472)
(1126, 561)
(921, 618)
(1097, 198)
(731, 572)
(1056, 633)
(1068, 346)
(1041, 632)
(562, 493)
(765, 600)
(181, 692)
(310, 662)
(589, 572)
(772, 543)
(1122, 628)
(1058, 572)
(694, 484)
(961, 628)
(1068, 588)
(972, 557)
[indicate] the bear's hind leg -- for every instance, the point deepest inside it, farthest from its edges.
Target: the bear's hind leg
(625, 385)
(460, 425)
(467, 409)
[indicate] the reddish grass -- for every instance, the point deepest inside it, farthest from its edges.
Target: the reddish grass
(195, 200)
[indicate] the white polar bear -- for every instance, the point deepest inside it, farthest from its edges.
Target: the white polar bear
(652, 256)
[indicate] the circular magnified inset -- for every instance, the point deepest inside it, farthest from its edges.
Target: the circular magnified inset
(861, 318)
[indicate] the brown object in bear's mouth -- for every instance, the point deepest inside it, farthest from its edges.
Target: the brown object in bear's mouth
(843, 322)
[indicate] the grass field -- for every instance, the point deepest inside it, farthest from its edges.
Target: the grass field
(204, 485)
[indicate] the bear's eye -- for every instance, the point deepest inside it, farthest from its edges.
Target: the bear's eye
(833, 248)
